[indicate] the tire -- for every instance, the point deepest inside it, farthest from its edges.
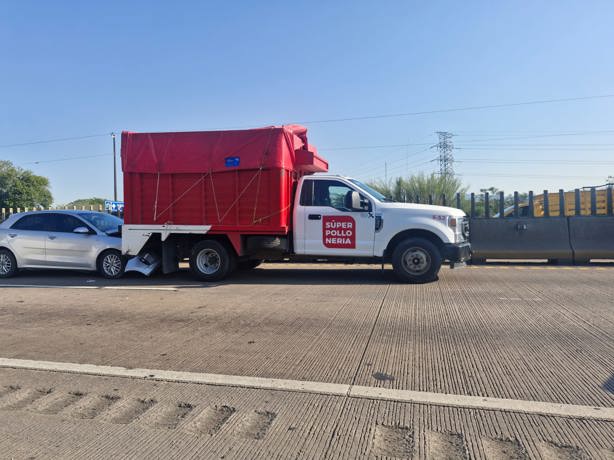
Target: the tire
(248, 264)
(8, 264)
(111, 264)
(211, 261)
(416, 260)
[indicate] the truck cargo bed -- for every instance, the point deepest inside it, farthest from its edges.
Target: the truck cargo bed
(235, 181)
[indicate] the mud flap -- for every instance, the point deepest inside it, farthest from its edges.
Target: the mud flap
(170, 263)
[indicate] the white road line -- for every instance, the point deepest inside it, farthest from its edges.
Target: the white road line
(322, 388)
(118, 288)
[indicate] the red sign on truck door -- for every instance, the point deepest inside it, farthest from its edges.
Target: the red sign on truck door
(339, 232)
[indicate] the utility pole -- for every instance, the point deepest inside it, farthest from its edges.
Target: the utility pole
(446, 157)
(386, 172)
(114, 169)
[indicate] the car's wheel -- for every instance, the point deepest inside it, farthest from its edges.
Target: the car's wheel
(416, 260)
(248, 264)
(8, 264)
(211, 261)
(111, 264)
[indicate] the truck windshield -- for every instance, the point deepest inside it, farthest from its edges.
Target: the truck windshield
(374, 193)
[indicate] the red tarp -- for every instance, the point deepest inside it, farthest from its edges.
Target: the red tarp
(283, 147)
(235, 181)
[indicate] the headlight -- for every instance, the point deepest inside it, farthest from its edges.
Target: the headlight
(458, 227)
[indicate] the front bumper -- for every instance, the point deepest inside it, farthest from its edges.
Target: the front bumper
(459, 252)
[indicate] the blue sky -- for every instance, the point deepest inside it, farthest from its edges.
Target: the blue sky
(82, 68)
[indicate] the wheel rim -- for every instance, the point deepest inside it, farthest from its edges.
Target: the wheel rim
(112, 264)
(416, 261)
(208, 261)
(6, 265)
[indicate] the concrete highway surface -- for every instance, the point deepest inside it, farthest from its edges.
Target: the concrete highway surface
(310, 361)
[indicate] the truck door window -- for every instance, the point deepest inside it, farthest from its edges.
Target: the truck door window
(331, 193)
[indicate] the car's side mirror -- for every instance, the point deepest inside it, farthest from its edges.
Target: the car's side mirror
(359, 203)
(82, 230)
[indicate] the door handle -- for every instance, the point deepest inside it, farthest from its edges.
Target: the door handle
(314, 216)
(12, 235)
(51, 237)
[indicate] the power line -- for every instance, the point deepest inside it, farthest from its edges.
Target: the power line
(528, 175)
(459, 109)
(539, 136)
(538, 148)
(530, 135)
(398, 168)
(396, 160)
(49, 141)
(592, 144)
(368, 147)
(370, 117)
(64, 159)
(531, 161)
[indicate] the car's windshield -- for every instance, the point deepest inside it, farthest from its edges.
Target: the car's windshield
(104, 222)
(374, 193)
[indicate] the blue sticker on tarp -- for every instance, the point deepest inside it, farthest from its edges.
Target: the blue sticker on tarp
(232, 162)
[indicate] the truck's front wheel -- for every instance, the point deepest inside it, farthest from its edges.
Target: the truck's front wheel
(416, 260)
(211, 261)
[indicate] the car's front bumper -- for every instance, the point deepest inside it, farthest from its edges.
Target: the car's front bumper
(456, 252)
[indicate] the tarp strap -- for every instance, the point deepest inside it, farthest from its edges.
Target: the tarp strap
(217, 209)
(156, 200)
(184, 193)
(240, 195)
(258, 176)
(260, 219)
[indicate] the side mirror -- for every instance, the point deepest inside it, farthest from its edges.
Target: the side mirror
(358, 203)
(82, 230)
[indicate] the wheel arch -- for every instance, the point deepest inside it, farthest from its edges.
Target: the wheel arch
(105, 249)
(2, 246)
(412, 233)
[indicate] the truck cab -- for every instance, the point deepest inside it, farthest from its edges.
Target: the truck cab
(340, 217)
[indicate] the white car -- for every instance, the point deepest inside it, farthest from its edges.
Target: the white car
(72, 240)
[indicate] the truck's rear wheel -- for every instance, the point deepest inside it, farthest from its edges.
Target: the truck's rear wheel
(416, 260)
(211, 261)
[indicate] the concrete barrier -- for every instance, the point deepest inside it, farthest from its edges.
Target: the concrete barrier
(520, 238)
(592, 237)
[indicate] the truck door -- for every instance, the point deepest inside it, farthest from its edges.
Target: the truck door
(330, 226)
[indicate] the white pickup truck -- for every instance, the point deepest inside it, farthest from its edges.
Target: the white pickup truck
(341, 217)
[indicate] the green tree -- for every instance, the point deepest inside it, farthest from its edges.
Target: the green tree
(419, 187)
(87, 202)
(21, 188)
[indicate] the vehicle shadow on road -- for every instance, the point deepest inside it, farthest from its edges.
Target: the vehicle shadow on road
(183, 278)
(314, 276)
